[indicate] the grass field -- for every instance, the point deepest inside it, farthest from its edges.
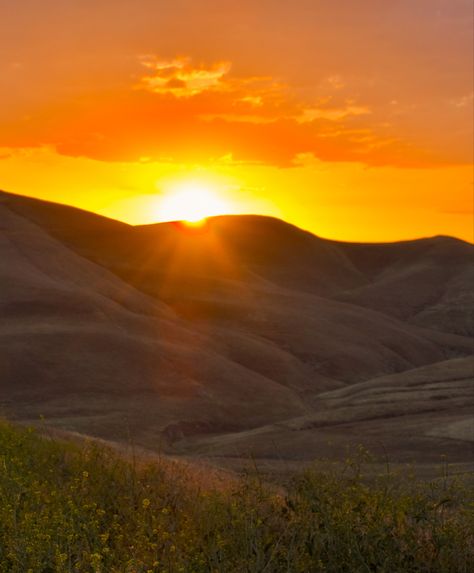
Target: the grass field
(72, 508)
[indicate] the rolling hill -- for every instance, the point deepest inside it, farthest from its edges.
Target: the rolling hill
(243, 333)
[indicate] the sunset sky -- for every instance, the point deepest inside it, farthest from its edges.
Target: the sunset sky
(349, 119)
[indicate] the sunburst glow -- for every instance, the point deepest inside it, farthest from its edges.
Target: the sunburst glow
(192, 202)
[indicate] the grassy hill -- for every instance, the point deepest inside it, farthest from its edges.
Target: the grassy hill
(68, 508)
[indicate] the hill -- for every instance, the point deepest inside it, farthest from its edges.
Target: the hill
(190, 339)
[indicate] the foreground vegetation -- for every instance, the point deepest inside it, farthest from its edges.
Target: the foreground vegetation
(65, 507)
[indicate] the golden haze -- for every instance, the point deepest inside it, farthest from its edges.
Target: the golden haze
(353, 123)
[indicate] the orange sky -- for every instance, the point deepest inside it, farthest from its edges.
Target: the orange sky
(352, 120)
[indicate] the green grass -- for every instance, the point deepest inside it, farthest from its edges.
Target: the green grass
(65, 507)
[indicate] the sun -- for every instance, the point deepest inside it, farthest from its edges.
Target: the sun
(191, 202)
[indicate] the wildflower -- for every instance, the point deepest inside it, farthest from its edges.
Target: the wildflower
(146, 503)
(104, 537)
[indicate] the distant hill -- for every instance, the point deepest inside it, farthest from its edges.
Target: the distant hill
(427, 282)
(179, 336)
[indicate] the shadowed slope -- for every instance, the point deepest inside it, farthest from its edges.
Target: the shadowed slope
(414, 416)
(235, 273)
(180, 333)
(89, 351)
(427, 282)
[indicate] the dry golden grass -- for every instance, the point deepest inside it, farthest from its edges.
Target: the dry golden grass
(83, 508)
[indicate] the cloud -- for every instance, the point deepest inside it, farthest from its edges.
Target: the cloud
(333, 113)
(237, 118)
(463, 101)
(254, 100)
(335, 81)
(180, 78)
(5, 154)
(197, 113)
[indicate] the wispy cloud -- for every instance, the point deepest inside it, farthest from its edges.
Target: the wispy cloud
(180, 77)
(333, 113)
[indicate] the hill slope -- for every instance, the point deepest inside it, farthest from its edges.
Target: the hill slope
(173, 334)
(416, 415)
(88, 350)
(426, 282)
